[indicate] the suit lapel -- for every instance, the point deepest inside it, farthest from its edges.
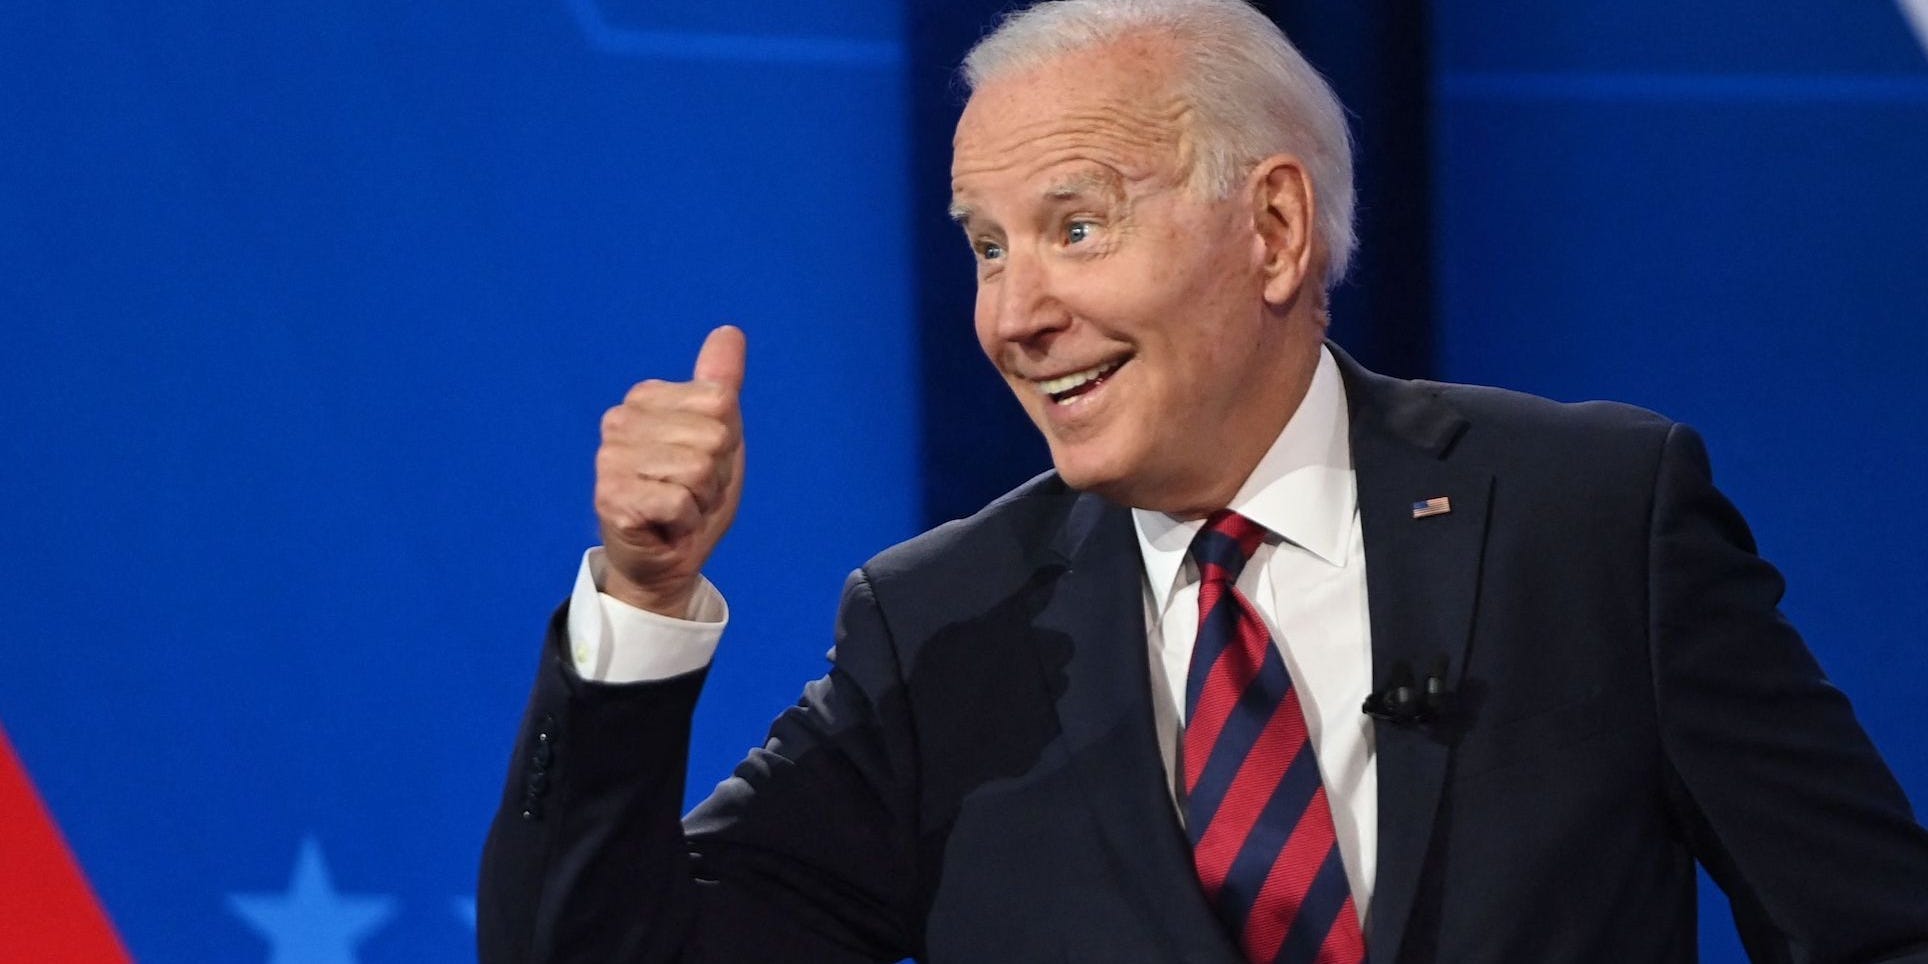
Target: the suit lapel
(1422, 576)
(1105, 711)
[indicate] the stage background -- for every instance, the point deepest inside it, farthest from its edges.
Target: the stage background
(309, 314)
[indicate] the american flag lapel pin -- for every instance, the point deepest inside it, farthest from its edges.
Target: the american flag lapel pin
(1438, 505)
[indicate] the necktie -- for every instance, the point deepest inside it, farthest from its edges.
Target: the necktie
(1262, 836)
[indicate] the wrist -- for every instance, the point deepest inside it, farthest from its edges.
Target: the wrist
(670, 598)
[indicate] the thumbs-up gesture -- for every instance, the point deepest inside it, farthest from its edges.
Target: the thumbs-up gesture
(669, 475)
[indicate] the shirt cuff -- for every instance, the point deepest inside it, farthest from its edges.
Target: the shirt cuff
(611, 641)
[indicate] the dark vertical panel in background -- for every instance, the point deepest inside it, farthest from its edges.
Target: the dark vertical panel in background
(1715, 210)
(977, 443)
(1375, 54)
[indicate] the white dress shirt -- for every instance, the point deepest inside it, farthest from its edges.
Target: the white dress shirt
(1308, 582)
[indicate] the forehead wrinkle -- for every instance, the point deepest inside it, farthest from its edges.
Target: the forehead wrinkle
(1098, 174)
(1102, 183)
(1057, 152)
(1098, 129)
(1129, 124)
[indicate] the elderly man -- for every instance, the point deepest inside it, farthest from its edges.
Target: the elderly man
(1116, 715)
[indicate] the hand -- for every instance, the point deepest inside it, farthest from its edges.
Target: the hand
(669, 475)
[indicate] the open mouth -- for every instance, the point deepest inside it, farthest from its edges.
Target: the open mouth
(1067, 389)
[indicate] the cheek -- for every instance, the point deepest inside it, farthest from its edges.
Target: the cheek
(982, 320)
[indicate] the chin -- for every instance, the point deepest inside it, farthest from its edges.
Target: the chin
(1092, 472)
(1082, 481)
(1132, 483)
(1076, 472)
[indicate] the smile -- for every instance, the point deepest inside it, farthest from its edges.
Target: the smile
(1066, 389)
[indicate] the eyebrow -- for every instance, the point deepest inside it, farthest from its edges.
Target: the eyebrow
(1080, 185)
(1071, 188)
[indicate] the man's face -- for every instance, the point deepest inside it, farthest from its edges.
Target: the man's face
(1127, 313)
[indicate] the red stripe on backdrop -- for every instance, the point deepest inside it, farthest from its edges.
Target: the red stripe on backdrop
(47, 910)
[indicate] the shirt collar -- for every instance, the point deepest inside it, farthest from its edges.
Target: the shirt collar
(1302, 489)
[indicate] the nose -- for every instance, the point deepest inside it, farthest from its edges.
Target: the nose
(1024, 304)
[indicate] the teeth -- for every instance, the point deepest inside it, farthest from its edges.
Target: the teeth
(1065, 383)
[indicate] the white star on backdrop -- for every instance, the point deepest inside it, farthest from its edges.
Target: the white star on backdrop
(311, 923)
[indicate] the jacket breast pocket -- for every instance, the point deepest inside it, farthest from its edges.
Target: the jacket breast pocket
(1532, 737)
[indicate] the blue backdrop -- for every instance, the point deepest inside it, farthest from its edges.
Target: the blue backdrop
(309, 313)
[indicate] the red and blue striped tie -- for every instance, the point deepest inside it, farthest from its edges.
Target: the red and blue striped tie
(1261, 829)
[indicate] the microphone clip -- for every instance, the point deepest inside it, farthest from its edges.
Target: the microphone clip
(1403, 702)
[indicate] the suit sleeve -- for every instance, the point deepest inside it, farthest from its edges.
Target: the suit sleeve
(1776, 786)
(804, 854)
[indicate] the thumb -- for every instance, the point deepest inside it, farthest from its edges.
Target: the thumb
(721, 358)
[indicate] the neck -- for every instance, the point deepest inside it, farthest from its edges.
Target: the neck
(1270, 410)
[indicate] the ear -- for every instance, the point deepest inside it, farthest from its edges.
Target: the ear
(1284, 212)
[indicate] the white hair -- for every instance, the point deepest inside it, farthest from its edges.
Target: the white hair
(1252, 93)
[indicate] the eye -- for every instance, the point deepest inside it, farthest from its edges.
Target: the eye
(1077, 231)
(989, 250)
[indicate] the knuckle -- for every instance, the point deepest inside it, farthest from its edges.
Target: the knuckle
(645, 390)
(709, 398)
(611, 499)
(716, 436)
(609, 467)
(670, 502)
(615, 514)
(670, 464)
(614, 419)
(696, 464)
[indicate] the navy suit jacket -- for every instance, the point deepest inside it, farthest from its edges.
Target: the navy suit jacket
(977, 778)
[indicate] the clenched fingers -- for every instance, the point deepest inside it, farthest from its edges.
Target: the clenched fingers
(630, 425)
(669, 475)
(705, 474)
(711, 399)
(645, 510)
